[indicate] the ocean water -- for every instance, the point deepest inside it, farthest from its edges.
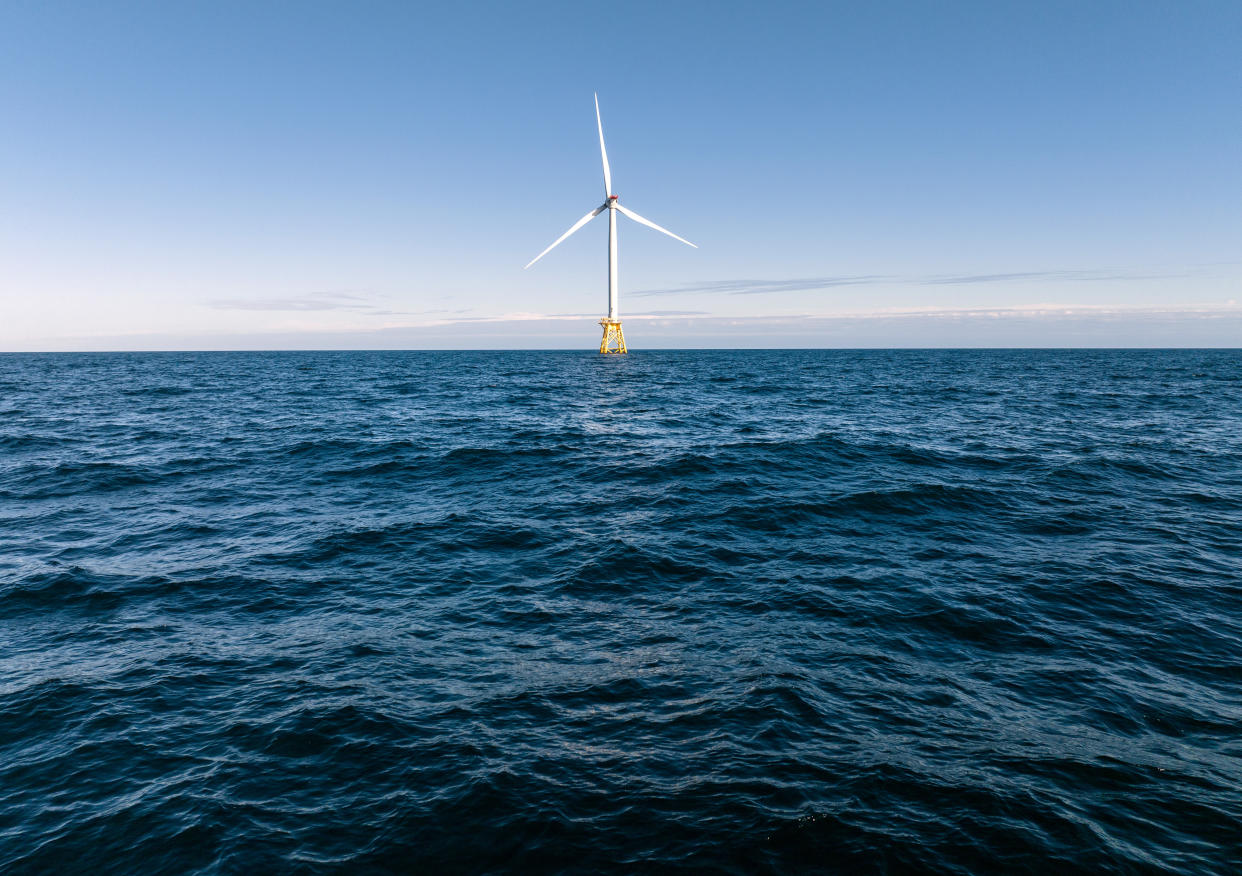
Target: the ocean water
(751, 612)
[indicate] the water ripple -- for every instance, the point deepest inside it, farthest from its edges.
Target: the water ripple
(732, 612)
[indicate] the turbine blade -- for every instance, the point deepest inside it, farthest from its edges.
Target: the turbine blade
(602, 151)
(583, 221)
(651, 224)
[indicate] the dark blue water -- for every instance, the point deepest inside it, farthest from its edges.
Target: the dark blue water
(678, 611)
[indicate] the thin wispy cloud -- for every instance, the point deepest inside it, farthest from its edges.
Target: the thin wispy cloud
(970, 279)
(1035, 325)
(642, 314)
(1043, 276)
(315, 301)
(926, 315)
(752, 286)
(674, 313)
(320, 302)
(759, 287)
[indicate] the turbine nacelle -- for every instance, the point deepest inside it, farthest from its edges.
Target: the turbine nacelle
(613, 206)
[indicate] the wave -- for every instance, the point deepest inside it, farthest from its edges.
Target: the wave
(782, 611)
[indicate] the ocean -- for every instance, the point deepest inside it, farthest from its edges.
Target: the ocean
(672, 612)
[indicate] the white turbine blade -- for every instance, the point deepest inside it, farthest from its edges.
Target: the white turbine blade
(602, 151)
(583, 221)
(651, 224)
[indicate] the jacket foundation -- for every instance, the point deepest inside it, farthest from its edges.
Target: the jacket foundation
(614, 339)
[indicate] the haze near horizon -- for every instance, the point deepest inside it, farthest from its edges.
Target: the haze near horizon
(316, 176)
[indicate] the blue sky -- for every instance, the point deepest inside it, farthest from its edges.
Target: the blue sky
(219, 175)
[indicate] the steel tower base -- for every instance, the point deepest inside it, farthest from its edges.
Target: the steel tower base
(614, 338)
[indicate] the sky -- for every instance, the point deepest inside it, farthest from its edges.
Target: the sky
(260, 175)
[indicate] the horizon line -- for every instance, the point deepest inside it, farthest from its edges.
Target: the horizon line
(590, 350)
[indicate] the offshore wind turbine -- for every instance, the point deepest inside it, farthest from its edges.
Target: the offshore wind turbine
(614, 338)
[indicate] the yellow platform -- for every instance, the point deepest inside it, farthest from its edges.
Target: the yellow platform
(614, 339)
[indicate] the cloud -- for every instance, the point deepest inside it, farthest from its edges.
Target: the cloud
(759, 287)
(672, 313)
(693, 319)
(1045, 276)
(341, 302)
(315, 301)
(1040, 325)
(527, 317)
(969, 279)
(809, 284)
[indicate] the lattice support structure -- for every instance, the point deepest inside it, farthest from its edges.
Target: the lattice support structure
(614, 338)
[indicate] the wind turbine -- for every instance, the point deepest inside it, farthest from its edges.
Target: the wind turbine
(614, 338)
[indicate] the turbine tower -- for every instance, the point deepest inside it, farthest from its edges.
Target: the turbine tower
(614, 338)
